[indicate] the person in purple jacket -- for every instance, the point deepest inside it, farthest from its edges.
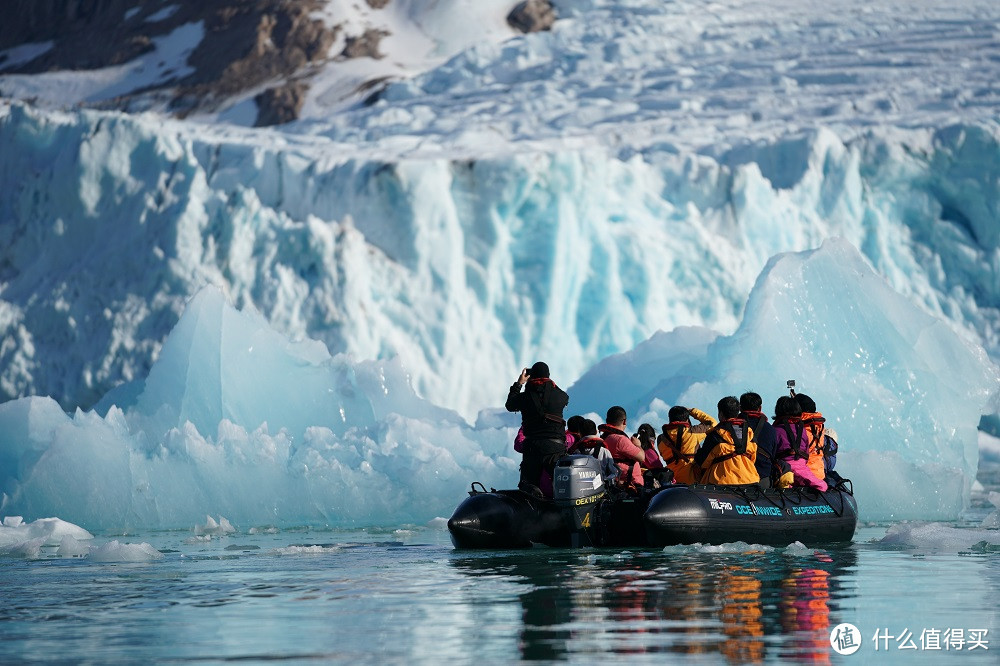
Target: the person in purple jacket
(792, 444)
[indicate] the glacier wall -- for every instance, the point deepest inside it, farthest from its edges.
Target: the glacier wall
(237, 420)
(464, 269)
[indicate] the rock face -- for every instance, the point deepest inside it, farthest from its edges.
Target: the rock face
(276, 106)
(532, 16)
(365, 46)
(245, 44)
(249, 44)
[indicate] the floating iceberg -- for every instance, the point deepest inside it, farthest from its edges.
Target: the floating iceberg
(904, 390)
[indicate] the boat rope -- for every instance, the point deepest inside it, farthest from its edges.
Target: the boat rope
(797, 493)
(477, 492)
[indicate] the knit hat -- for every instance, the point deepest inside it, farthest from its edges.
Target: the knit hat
(539, 371)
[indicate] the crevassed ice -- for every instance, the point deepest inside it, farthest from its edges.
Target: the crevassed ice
(466, 267)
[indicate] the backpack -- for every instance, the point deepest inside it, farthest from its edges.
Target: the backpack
(830, 449)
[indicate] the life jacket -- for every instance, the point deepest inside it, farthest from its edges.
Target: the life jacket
(742, 469)
(674, 443)
(801, 458)
(798, 437)
(631, 470)
(815, 422)
(756, 424)
(739, 441)
(590, 445)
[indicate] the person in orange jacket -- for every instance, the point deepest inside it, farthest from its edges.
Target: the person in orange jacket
(816, 426)
(680, 441)
(728, 454)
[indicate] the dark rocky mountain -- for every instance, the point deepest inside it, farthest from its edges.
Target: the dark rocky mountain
(273, 45)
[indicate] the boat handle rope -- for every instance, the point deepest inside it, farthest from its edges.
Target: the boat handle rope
(477, 492)
(788, 496)
(780, 505)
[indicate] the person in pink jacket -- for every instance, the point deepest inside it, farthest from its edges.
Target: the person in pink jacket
(793, 444)
(626, 451)
(647, 442)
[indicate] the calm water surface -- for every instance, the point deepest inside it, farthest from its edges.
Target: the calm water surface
(402, 596)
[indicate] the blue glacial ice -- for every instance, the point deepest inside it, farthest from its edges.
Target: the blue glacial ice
(236, 420)
(464, 267)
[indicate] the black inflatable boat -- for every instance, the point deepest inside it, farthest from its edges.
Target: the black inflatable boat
(585, 513)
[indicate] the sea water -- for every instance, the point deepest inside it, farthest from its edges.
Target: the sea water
(916, 593)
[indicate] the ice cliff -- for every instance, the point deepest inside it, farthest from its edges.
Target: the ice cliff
(464, 269)
(236, 420)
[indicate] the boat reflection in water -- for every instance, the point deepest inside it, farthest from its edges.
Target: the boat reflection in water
(736, 603)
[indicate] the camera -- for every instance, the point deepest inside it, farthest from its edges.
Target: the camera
(790, 384)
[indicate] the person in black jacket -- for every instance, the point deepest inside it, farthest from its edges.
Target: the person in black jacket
(750, 406)
(541, 405)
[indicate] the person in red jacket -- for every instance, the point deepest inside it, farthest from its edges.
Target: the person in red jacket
(626, 451)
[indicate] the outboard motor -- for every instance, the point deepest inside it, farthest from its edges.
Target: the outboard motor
(577, 488)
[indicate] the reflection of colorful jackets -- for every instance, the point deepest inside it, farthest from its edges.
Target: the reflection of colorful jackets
(678, 444)
(793, 446)
(816, 424)
(627, 455)
(727, 456)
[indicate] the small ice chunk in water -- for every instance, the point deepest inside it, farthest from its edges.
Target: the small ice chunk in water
(115, 551)
(72, 547)
(211, 527)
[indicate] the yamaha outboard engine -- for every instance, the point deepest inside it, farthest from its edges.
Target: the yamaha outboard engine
(578, 487)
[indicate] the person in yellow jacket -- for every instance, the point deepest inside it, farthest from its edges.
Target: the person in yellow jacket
(680, 440)
(728, 454)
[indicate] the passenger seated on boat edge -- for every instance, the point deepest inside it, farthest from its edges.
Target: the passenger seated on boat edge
(729, 451)
(750, 411)
(591, 444)
(541, 406)
(824, 438)
(626, 451)
(680, 440)
(793, 445)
